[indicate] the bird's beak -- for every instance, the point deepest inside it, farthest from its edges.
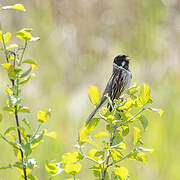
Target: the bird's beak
(127, 59)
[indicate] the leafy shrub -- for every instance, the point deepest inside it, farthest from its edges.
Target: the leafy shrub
(19, 71)
(108, 148)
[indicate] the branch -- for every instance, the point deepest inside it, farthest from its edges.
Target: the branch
(119, 160)
(87, 157)
(18, 131)
(9, 142)
(143, 109)
(109, 153)
(25, 45)
(36, 132)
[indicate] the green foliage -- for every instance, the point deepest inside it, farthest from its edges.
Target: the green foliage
(22, 139)
(109, 147)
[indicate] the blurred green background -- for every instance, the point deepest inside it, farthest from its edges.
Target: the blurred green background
(79, 40)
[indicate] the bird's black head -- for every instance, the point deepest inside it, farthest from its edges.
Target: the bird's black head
(122, 61)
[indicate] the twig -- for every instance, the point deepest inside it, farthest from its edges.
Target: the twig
(25, 45)
(36, 132)
(87, 157)
(118, 160)
(109, 153)
(133, 117)
(18, 131)
(9, 142)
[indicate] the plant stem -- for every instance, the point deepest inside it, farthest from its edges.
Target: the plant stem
(36, 132)
(87, 157)
(19, 136)
(16, 112)
(18, 131)
(143, 109)
(118, 160)
(25, 45)
(109, 153)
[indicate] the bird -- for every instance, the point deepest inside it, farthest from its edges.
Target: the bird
(118, 82)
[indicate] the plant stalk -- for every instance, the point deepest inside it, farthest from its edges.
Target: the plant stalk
(19, 136)
(109, 153)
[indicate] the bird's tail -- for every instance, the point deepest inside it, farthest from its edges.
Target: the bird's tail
(92, 114)
(96, 109)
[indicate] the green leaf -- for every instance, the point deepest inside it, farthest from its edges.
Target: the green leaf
(26, 122)
(31, 177)
(29, 61)
(144, 122)
(101, 134)
(24, 35)
(27, 80)
(12, 46)
(8, 130)
(96, 169)
(43, 116)
(53, 168)
(28, 29)
(9, 91)
(1, 35)
(16, 6)
(26, 148)
(7, 66)
(72, 168)
(132, 90)
(125, 130)
(49, 134)
(37, 140)
(26, 73)
(18, 165)
(71, 157)
(144, 96)
(94, 95)
(137, 135)
(121, 172)
(111, 118)
(115, 154)
(19, 7)
(12, 73)
(7, 36)
(127, 105)
(9, 109)
(159, 111)
(139, 156)
(24, 109)
(1, 117)
(5, 167)
(31, 163)
(121, 146)
(85, 131)
(117, 138)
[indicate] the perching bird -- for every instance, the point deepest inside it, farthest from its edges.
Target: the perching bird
(118, 82)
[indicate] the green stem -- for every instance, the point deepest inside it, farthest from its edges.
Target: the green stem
(36, 132)
(25, 45)
(109, 153)
(9, 142)
(18, 125)
(143, 109)
(87, 157)
(118, 160)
